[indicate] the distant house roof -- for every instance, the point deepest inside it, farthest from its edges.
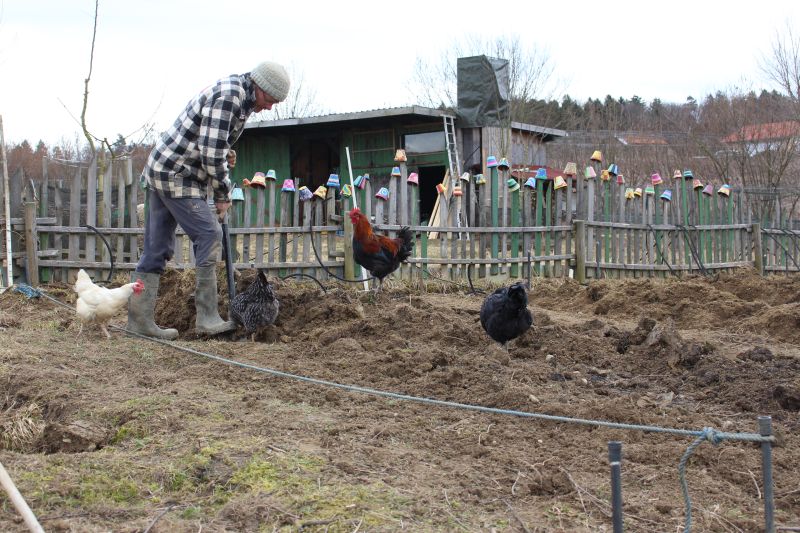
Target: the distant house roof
(523, 173)
(409, 111)
(640, 139)
(596, 138)
(765, 132)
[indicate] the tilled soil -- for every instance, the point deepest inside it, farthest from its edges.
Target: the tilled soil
(127, 434)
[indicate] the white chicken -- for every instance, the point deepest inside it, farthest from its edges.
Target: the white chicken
(98, 304)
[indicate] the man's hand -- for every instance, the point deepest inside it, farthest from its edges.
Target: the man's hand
(231, 157)
(222, 208)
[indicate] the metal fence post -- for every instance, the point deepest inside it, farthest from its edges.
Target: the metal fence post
(765, 429)
(615, 460)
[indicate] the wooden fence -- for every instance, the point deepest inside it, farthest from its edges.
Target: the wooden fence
(84, 216)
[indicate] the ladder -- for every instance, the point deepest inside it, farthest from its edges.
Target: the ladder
(454, 162)
(452, 147)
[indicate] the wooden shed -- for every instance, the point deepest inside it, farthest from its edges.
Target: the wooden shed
(310, 149)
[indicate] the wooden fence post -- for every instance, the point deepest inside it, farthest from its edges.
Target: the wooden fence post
(393, 202)
(5, 194)
(494, 206)
(590, 202)
(515, 236)
(285, 219)
(538, 222)
(758, 257)
(307, 235)
(548, 209)
(402, 195)
(349, 261)
(606, 195)
(413, 194)
(14, 198)
(31, 240)
(273, 204)
(44, 204)
(91, 214)
(580, 251)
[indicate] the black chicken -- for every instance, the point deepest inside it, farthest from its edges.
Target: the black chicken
(256, 306)
(505, 314)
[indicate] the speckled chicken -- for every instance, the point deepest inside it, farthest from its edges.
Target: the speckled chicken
(256, 306)
(505, 315)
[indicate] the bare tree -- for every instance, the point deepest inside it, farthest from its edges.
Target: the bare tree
(749, 141)
(301, 102)
(782, 66)
(107, 150)
(434, 83)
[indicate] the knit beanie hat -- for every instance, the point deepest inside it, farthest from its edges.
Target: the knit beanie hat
(271, 78)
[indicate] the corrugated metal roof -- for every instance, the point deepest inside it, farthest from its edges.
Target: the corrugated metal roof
(356, 115)
(388, 112)
(538, 129)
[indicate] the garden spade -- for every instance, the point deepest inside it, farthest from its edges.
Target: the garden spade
(226, 250)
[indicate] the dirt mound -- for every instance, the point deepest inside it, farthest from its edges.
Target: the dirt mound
(197, 442)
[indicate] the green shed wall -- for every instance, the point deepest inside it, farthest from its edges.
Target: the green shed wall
(259, 153)
(373, 151)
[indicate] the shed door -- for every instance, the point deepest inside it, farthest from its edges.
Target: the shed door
(314, 159)
(429, 177)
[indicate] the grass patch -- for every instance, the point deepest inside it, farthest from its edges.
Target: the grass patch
(104, 488)
(147, 404)
(191, 513)
(85, 484)
(294, 480)
(127, 432)
(268, 476)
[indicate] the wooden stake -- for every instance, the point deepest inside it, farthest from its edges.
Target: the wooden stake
(355, 204)
(7, 211)
(19, 502)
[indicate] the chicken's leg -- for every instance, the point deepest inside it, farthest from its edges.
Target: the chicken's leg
(103, 327)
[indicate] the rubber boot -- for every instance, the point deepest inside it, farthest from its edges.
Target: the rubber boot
(208, 320)
(141, 308)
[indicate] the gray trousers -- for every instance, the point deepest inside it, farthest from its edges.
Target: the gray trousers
(196, 217)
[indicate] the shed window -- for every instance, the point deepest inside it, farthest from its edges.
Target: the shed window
(425, 143)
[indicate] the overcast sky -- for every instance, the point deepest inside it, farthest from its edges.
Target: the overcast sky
(152, 56)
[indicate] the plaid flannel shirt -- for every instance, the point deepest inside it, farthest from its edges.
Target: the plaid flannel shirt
(192, 153)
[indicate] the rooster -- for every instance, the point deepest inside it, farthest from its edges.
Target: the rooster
(505, 315)
(378, 254)
(256, 306)
(98, 304)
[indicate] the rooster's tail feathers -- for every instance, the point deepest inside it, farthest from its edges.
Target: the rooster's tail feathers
(407, 245)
